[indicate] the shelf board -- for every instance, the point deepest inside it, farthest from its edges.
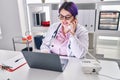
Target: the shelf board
(109, 17)
(106, 23)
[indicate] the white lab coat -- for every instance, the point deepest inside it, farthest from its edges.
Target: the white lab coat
(78, 43)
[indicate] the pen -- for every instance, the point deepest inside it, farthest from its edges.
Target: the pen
(18, 59)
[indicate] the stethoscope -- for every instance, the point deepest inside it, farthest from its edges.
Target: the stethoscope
(55, 32)
(53, 36)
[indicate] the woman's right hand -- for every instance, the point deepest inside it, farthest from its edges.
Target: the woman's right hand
(73, 26)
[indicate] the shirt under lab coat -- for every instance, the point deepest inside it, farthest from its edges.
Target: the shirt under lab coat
(77, 44)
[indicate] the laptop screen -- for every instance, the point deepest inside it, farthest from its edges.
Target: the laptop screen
(44, 61)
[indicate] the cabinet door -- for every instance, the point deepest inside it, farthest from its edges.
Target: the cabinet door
(87, 19)
(92, 19)
(81, 17)
(54, 16)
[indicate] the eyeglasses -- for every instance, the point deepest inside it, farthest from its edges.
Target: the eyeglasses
(61, 17)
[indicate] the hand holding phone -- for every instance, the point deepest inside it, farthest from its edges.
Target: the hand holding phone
(72, 26)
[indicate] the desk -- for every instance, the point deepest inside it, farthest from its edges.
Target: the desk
(73, 71)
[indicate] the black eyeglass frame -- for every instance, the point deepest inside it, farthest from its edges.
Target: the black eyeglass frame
(61, 17)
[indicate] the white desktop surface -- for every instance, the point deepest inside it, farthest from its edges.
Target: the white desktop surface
(73, 71)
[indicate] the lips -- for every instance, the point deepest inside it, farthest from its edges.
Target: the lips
(64, 22)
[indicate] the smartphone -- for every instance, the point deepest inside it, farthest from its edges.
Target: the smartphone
(69, 27)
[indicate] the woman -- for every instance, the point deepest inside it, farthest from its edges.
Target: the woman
(67, 37)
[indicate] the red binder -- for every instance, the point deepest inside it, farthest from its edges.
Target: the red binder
(11, 70)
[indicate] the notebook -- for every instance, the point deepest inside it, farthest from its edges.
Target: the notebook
(45, 61)
(14, 63)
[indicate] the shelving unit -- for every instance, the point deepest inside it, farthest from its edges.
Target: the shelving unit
(108, 20)
(38, 13)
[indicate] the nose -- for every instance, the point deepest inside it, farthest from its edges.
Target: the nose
(64, 21)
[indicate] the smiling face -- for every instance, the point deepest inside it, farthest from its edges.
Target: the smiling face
(65, 17)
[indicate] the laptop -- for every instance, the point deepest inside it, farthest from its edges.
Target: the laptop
(45, 61)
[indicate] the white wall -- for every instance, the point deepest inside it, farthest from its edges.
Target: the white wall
(46, 1)
(9, 22)
(60, 1)
(0, 21)
(85, 1)
(22, 7)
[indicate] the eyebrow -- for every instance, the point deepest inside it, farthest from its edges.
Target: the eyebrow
(66, 15)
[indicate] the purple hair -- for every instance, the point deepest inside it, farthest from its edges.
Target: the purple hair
(70, 7)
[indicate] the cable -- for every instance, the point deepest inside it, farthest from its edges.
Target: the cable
(109, 77)
(93, 57)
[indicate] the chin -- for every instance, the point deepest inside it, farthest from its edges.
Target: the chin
(64, 25)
